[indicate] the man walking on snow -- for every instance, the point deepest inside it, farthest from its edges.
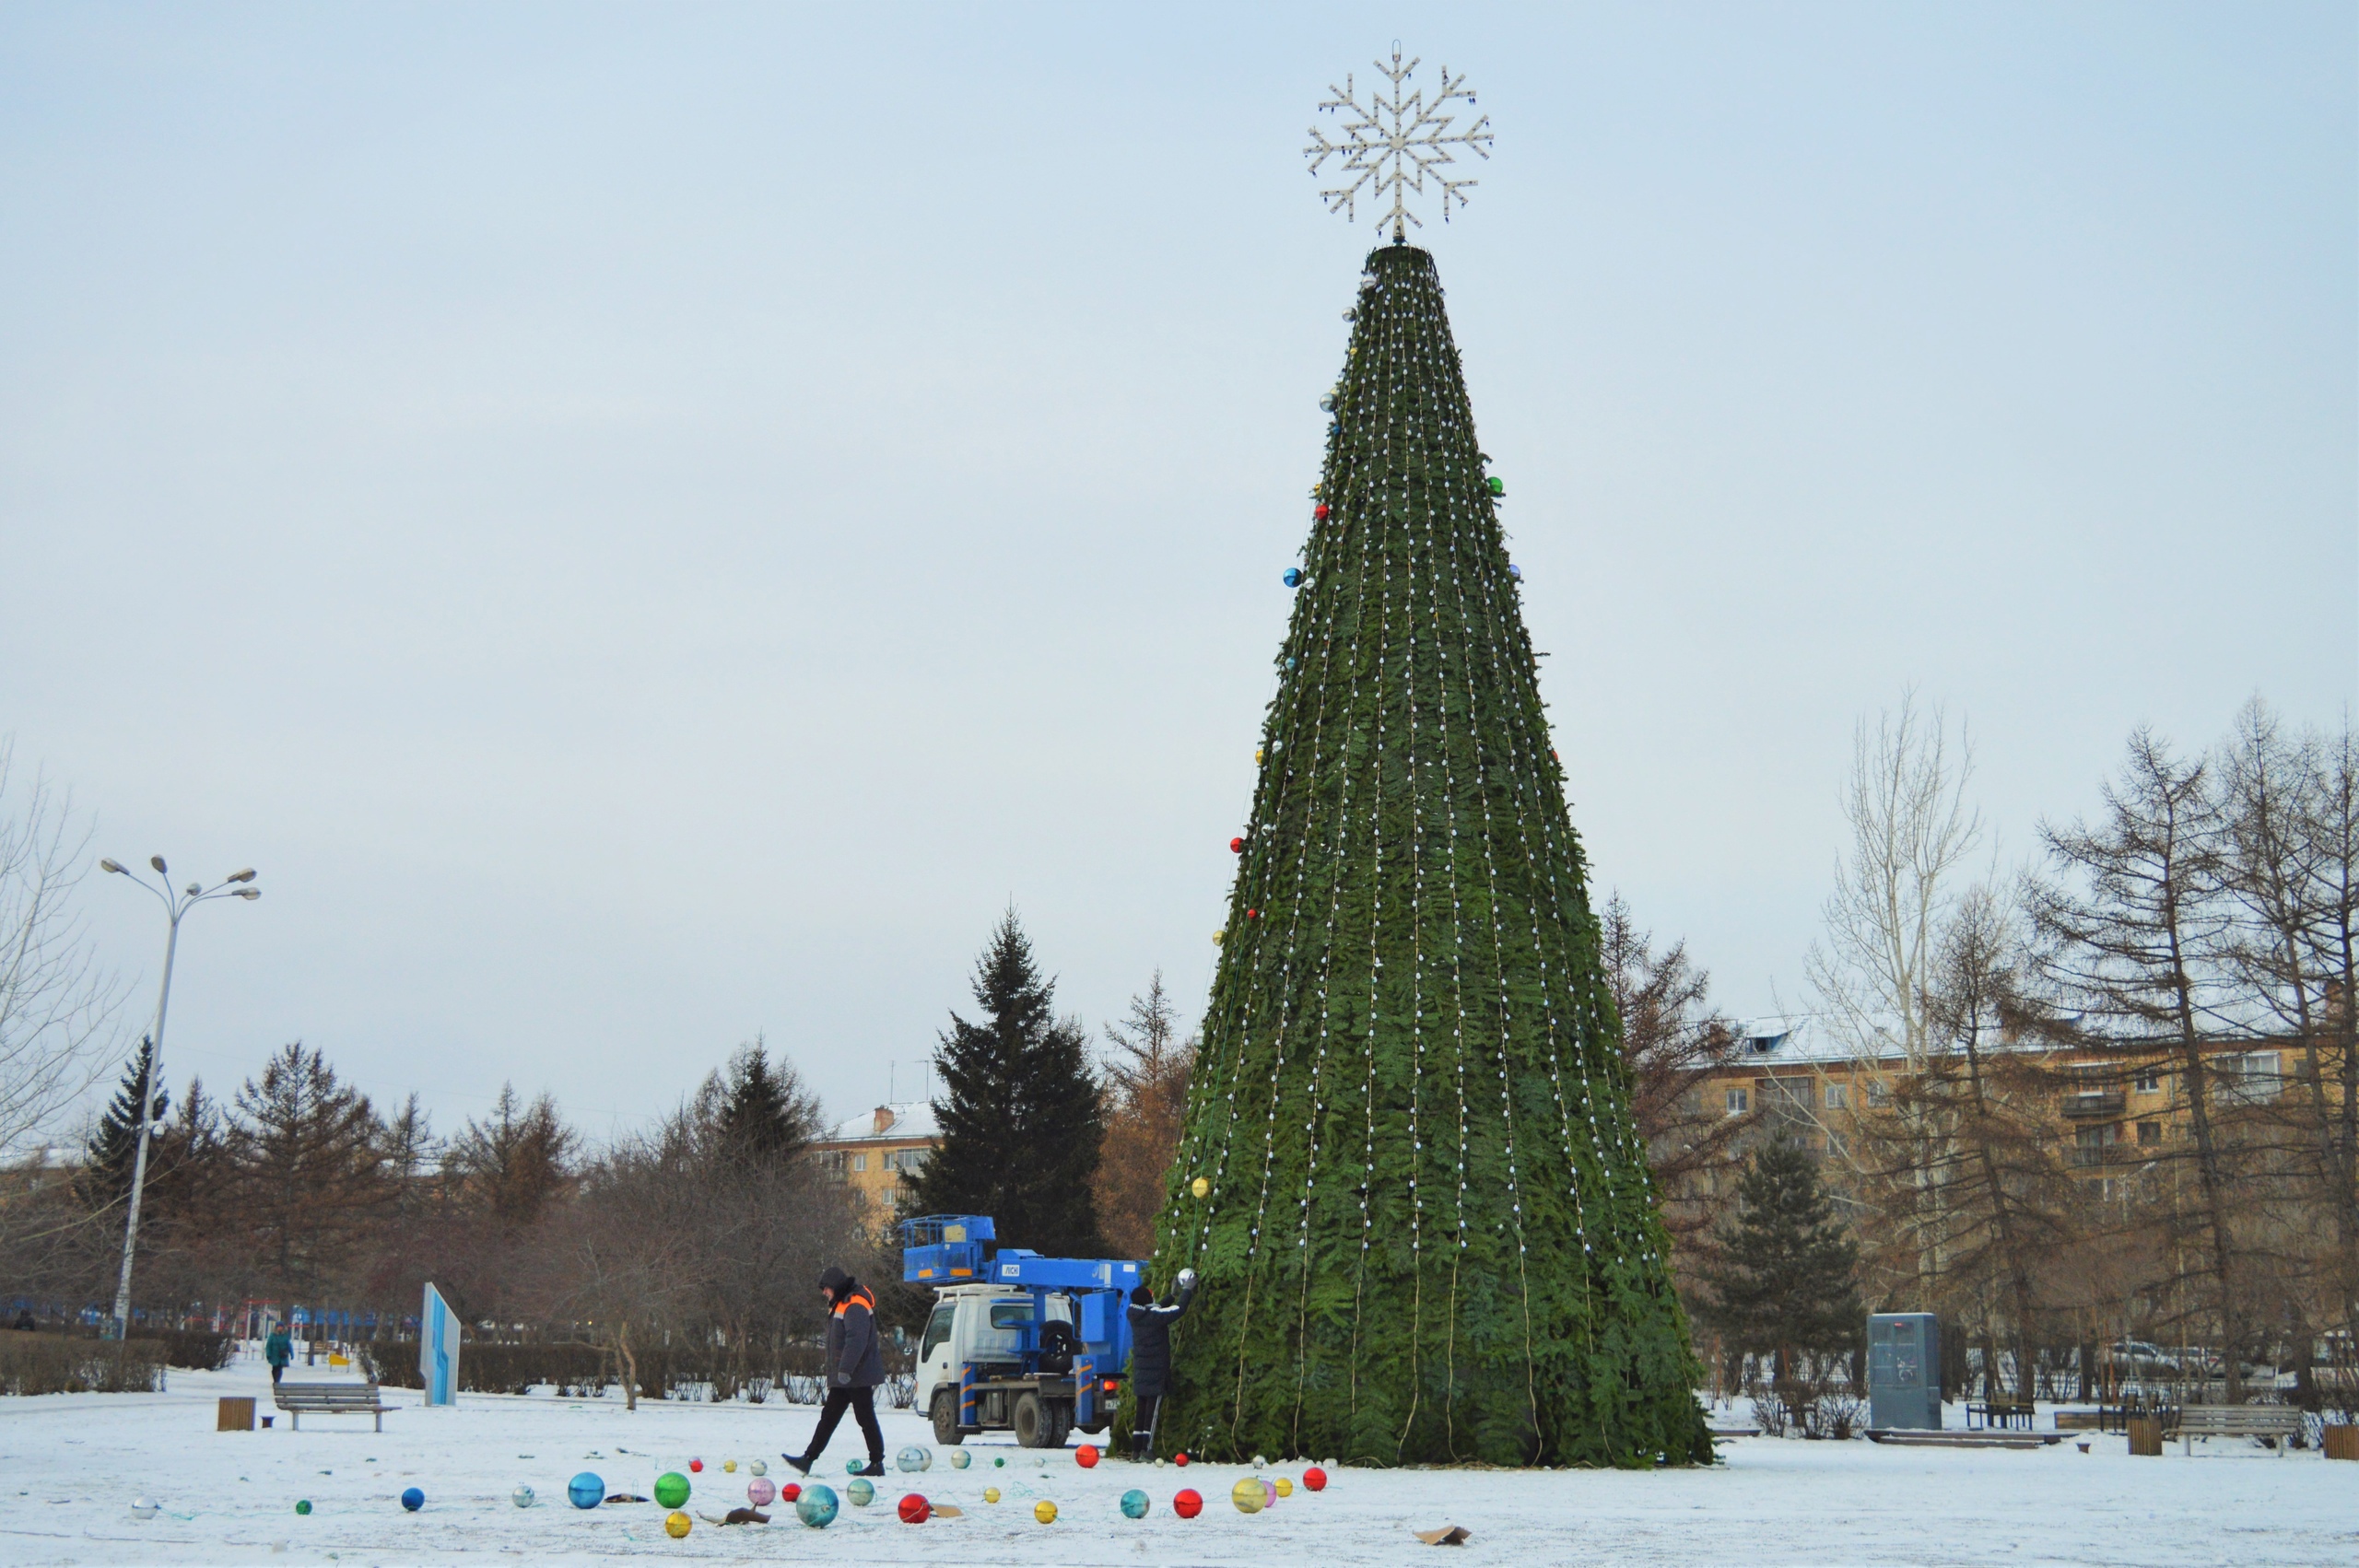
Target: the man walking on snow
(855, 1367)
(1151, 1356)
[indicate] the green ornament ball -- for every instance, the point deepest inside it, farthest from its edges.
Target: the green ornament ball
(852, 1467)
(1000, 1461)
(860, 1493)
(304, 1506)
(1134, 1504)
(670, 1489)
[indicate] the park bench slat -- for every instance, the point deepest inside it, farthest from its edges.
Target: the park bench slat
(298, 1399)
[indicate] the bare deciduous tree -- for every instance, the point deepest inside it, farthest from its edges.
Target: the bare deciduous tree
(55, 1004)
(1147, 1096)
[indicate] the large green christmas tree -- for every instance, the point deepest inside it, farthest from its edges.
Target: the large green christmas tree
(1425, 1233)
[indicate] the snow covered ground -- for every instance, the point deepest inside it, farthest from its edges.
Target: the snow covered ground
(71, 1465)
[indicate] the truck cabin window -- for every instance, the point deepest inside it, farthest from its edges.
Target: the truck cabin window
(937, 1328)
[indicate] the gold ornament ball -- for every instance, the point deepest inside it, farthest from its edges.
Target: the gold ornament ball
(676, 1525)
(1286, 1487)
(1045, 1511)
(1248, 1495)
(1200, 1187)
(730, 1466)
(1219, 937)
(990, 1495)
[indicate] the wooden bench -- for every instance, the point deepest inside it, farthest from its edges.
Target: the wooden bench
(300, 1399)
(1999, 1414)
(2280, 1421)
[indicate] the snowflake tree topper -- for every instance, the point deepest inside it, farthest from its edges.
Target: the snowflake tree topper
(1394, 143)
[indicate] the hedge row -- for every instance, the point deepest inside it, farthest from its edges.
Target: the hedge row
(63, 1364)
(577, 1370)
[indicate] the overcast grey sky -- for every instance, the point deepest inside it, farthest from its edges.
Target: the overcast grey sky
(648, 524)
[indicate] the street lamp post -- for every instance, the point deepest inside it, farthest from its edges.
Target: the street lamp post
(176, 904)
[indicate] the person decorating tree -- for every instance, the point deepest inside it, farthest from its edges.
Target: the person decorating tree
(855, 1367)
(1151, 1324)
(278, 1350)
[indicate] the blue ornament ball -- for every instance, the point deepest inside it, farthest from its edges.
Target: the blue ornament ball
(1516, 572)
(854, 1465)
(1134, 1504)
(412, 1500)
(1292, 577)
(817, 1506)
(586, 1491)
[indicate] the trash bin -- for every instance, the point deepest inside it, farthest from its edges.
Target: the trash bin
(2342, 1441)
(2146, 1436)
(237, 1414)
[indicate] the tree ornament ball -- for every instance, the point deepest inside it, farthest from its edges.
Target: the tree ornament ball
(522, 1497)
(1292, 577)
(586, 1490)
(670, 1489)
(1286, 1487)
(677, 1525)
(1188, 1503)
(960, 1458)
(1259, 1461)
(1134, 1504)
(696, 1467)
(854, 1465)
(412, 1500)
(792, 1491)
(1087, 1456)
(1515, 571)
(1045, 1511)
(759, 1492)
(1248, 1495)
(1320, 511)
(1237, 845)
(1201, 1187)
(1314, 1479)
(915, 1510)
(303, 1506)
(1270, 1494)
(1219, 937)
(817, 1506)
(990, 1495)
(728, 1466)
(1181, 1459)
(759, 1467)
(860, 1493)
(143, 1508)
(999, 1461)
(913, 1459)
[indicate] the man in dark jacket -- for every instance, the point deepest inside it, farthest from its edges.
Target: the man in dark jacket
(855, 1367)
(1151, 1356)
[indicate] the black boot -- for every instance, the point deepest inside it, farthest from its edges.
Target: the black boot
(802, 1466)
(874, 1470)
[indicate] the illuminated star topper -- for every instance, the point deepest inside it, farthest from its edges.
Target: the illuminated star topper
(1394, 143)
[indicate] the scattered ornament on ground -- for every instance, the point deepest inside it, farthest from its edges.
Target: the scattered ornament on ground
(759, 1467)
(412, 1500)
(1134, 1504)
(676, 1523)
(1087, 1456)
(1045, 1511)
(1315, 1478)
(586, 1491)
(304, 1505)
(990, 1495)
(915, 1458)
(817, 1506)
(670, 1489)
(915, 1509)
(759, 1492)
(1188, 1503)
(522, 1497)
(960, 1458)
(1248, 1495)
(860, 1493)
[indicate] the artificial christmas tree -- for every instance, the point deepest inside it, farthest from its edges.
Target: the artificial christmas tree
(1426, 1232)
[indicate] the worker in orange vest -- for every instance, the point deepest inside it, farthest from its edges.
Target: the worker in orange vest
(855, 1367)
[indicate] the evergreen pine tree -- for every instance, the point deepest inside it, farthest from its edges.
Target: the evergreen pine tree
(1426, 1231)
(765, 1116)
(1020, 1114)
(112, 1150)
(1786, 1279)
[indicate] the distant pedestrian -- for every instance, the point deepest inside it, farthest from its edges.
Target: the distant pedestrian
(1151, 1356)
(25, 1323)
(278, 1350)
(855, 1367)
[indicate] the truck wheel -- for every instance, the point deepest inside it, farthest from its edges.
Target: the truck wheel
(946, 1418)
(1061, 1416)
(1035, 1428)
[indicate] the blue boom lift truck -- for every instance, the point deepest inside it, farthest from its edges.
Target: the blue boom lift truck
(1016, 1342)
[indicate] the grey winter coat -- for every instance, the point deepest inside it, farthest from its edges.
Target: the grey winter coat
(855, 1359)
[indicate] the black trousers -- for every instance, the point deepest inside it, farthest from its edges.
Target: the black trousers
(1150, 1411)
(862, 1404)
(274, 1376)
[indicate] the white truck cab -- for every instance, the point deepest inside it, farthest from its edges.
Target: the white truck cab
(983, 1328)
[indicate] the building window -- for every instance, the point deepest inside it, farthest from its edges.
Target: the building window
(2090, 1142)
(831, 1163)
(1839, 1097)
(2251, 1077)
(1879, 1091)
(1739, 1102)
(859, 1161)
(2150, 1080)
(2150, 1132)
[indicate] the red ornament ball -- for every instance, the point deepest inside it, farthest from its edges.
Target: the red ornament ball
(1087, 1457)
(696, 1464)
(1320, 511)
(1189, 1503)
(915, 1510)
(1179, 1458)
(1237, 845)
(1315, 1478)
(790, 1492)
